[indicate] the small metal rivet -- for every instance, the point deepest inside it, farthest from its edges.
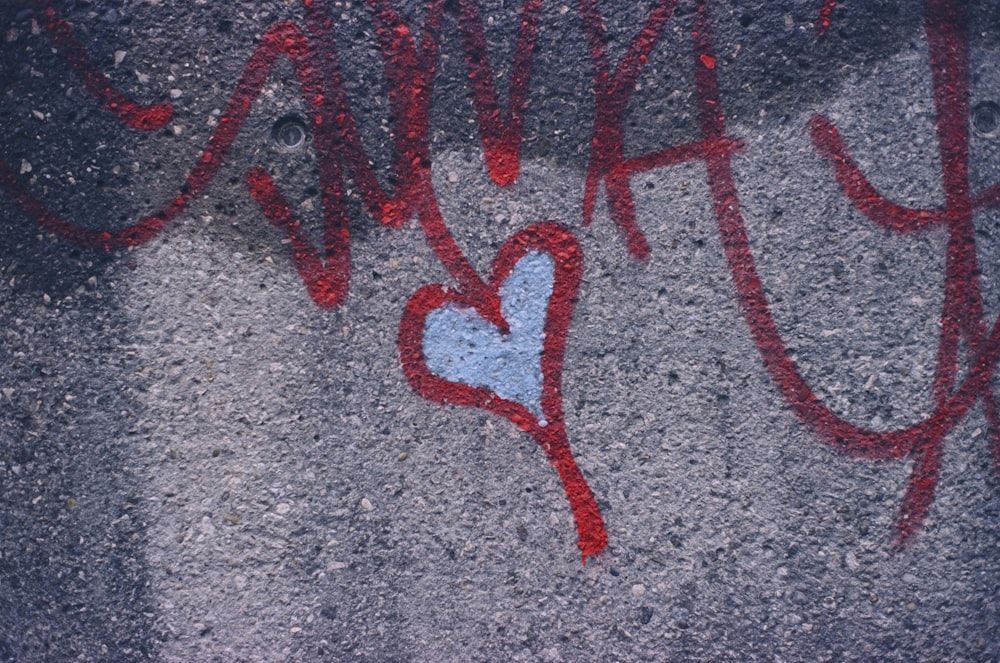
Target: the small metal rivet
(986, 118)
(290, 132)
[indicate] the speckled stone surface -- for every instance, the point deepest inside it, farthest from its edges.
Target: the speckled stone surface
(198, 463)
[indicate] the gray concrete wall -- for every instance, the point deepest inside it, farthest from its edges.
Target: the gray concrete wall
(373, 396)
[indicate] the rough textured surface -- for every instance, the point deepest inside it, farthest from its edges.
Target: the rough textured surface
(199, 464)
(462, 347)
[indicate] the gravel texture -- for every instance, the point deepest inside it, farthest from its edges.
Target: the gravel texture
(199, 464)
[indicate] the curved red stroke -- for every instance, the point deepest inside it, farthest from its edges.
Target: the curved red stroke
(96, 82)
(866, 198)
(962, 314)
(282, 38)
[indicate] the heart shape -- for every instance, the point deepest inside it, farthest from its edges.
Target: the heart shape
(451, 354)
(462, 347)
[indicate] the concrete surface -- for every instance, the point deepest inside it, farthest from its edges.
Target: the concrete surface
(198, 463)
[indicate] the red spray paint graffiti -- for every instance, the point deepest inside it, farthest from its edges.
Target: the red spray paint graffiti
(962, 315)
(824, 19)
(409, 69)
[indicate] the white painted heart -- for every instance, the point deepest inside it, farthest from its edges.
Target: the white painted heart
(460, 346)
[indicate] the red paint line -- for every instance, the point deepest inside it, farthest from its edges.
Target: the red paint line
(611, 97)
(96, 82)
(279, 39)
(856, 187)
(485, 299)
(326, 279)
(501, 133)
(962, 312)
(681, 153)
(410, 77)
(410, 74)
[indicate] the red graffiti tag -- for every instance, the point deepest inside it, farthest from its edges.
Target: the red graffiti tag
(326, 273)
(611, 96)
(410, 67)
(962, 315)
(963, 309)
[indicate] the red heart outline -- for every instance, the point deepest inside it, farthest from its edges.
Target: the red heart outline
(558, 242)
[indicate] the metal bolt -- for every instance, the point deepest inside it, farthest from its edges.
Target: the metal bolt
(290, 132)
(986, 118)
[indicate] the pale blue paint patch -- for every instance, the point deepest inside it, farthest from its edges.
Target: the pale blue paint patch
(460, 346)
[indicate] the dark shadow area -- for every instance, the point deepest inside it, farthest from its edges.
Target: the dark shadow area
(72, 573)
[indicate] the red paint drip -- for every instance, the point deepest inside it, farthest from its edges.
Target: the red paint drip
(825, 17)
